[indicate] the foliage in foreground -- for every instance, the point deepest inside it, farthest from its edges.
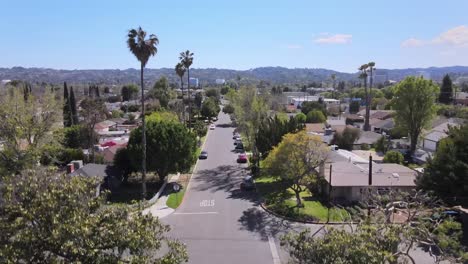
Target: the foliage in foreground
(47, 217)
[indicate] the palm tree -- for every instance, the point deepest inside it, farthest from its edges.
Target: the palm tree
(333, 77)
(363, 76)
(142, 49)
(371, 66)
(186, 58)
(180, 71)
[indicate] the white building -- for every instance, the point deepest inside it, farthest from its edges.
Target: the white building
(194, 82)
(297, 101)
(220, 81)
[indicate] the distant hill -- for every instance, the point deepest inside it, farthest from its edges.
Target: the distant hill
(273, 75)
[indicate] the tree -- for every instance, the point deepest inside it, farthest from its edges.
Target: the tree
(50, 218)
(128, 92)
(212, 93)
(446, 90)
(25, 128)
(306, 107)
(107, 90)
(301, 118)
(370, 66)
(210, 108)
(180, 71)
(341, 86)
(346, 139)
(225, 89)
(354, 107)
(393, 157)
(74, 136)
(93, 111)
(447, 173)
(186, 58)
(142, 49)
(161, 91)
(67, 109)
(315, 116)
(228, 109)
(74, 113)
(171, 148)
(382, 145)
(200, 128)
(295, 160)
(414, 103)
(124, 163)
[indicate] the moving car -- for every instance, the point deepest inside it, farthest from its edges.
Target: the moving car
(212, 127)
(247, 183)
(242, 158)
(203, 155)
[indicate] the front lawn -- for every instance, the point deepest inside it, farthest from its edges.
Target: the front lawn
(282, 200)
(175, 199)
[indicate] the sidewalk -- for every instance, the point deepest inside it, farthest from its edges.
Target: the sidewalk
(160, 209)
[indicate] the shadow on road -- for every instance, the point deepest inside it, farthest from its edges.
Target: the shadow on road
(258, 221)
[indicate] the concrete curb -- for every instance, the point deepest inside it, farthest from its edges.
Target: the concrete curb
(158, 194)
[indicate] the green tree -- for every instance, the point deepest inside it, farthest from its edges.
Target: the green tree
(315, 116)
(346, 139)
(124, 163)
(295, 160)
(67, 108)
(210, 108)
(200, 128)
(52, 218)
(161, 91)
(306, 107)
(74, 113)
(128, 92)
(447, 173)
(180, 71)
(74, 137)
(225, 89)
(228, 109)
(186, 58)
(212, 93)
(382, 145)
(414, 103)
(393, 157)
(93, 111)
(354, 107)
(171, 147)
(446, 90)
(301, 118)
(142, 49)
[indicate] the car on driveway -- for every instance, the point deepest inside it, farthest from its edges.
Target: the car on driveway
(247, 183)
(203, 155)
(242, 158)
(212, 127)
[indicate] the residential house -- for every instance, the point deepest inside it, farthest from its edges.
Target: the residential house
(109, 176)
(105, 126)
(432, 138)
(366, 137)
(109, 153)
(461, 98)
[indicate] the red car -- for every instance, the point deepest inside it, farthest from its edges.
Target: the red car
(242, 158)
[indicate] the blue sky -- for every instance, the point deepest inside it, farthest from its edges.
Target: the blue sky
(239, 34)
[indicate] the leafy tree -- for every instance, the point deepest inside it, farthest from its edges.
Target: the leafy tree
(161, 91)
(25, 127)
(210, 108)
(393, 157)
(198, 100)
(59, 156)
(74, 113)
(93, 111)
(354, 107)
(382, 144)
(228, 109)
(128, 92)
(51, 218)
(447, 173)
(74, 137)
(346, 139)
(315, 116)
(142, 49)
(225, 89)
(446, 90)
(123, 162)
(295, 159)
(414, 103)
(67, 108)
(186, 59)
(106, 90)
(341, 86)
(171, 147)
(306, 107)
(200, 128)
(180, 71)
(301, 118)
(212, 93)
(162, 116)
(117, 114)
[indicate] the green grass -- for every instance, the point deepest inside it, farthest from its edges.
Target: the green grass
(282, 200)
(175, 199)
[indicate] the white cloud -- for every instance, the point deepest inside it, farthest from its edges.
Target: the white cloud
(334, 39)
(294, 46)
(457, 36)
(412, 42)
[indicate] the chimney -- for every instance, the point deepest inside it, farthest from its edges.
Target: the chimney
(370, 170)
(70, 168)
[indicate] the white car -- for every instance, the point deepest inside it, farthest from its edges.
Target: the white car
(212, 127)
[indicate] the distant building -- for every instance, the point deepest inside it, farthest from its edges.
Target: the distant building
(3, 83)
(194, 82)
(297, 101)
(461, 98)
(220, 81)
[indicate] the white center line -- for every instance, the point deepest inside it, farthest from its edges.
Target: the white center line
(196, 213)
(274, 251)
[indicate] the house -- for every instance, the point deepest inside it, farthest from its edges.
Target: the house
(104, 126)
(384, 126)
(366, 137)
(351, 176)
(461, 98)
(109, 176)
(432, 138)
(109, 153)
(298, 101)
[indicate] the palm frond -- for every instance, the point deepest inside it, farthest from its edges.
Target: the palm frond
(140, 47)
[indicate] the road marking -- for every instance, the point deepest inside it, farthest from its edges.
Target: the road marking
(274, 251)
(196, 213)
(207, 203)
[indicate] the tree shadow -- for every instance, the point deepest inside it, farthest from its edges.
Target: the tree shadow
(222, 178)
(258, 221)
(224, 125)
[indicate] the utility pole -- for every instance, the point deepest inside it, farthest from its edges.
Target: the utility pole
(329, 193)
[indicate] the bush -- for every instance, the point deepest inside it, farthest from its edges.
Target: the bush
(228, 109)
(393, 157)
(365, 146)
(316, 116)
(200, 128)
(346, 139)
(301, 118)
(354, 107)
(306, 107)
(381, 145)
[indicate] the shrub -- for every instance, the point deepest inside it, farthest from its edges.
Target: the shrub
(393, 157)
(301, 118)
(365, 146)
(316, 116)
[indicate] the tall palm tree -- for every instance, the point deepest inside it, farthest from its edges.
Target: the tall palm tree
(180, 71)
(186, 58)
(142, 49)
(333, 77)
(371, 68)
(363, 76)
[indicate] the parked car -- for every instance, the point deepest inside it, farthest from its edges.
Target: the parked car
(237, 141)
(236, 136)
(203, 155)
(239, 147)
(242, 158)
(247, 183)
(212, 127)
